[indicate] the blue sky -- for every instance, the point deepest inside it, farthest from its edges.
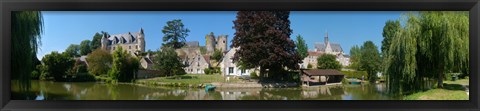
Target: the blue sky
(63, 28)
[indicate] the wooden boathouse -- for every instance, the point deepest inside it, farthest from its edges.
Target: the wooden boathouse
(321, 76)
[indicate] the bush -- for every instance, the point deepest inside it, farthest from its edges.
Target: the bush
(207, 71)
(355, 74)
(212, 70)
(253, 75)
(35, 75)
(84, 77)
(309, 66)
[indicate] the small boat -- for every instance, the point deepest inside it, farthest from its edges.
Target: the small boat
(209, 87)
(355, 81)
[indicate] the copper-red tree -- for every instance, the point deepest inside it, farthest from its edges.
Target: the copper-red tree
(263, 39)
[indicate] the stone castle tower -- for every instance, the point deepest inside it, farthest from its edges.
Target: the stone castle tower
(219, 43)
(222, 43)
(210, 43)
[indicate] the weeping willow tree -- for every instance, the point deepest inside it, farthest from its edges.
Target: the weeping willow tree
(26, 29)
(429, 45)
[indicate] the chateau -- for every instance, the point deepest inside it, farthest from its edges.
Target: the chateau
(133, 43)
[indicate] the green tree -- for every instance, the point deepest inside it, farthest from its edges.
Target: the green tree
(370, 60)
(27, 27)
(99, 62)
(168, 61)
(302, 47)
(58, 64)
(85, 47)
(263, 41)
(430, 45)
(389, 30)
(355, 56)
(97, 40)
(217, 55)
(175, 34)
(328, 61)
(124, 66)
(73, 50)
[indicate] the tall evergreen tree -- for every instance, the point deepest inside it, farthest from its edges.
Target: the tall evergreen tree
(175, 34)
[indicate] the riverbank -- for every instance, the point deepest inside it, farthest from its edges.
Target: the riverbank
(200, 80)
(453, 90)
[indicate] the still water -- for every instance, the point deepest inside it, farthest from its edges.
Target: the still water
(47, 90)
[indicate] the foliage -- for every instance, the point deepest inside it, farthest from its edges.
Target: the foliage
(58, 64)
(389, 30)
(203, 50)
(309, 66)
(168, 61)
(99, 62)
(97, 40)
(124, 66)
(253, 75)
(217, 55)
(175, 34)
(370, 60)
(73, 50)
(263, 40)
(430, 45)
(302, 48)
(328, 61)
(355, 74)
(85, 47)
(35, 75)
(355, 54)
(212, 70)
(27, 27)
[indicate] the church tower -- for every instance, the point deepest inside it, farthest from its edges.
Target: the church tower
(141, 41)
(328, 48)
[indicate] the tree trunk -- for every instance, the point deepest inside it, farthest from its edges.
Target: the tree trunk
(440, 80)
(262, 73)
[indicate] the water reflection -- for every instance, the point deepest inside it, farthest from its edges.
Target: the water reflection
(46, 90)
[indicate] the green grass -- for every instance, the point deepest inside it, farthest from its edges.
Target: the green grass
(439, 94)
(189, 79)
(453, 90)
(460, 81)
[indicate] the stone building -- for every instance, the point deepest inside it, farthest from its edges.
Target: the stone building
(229, 67)
(133, 43)
(333, 48)
(311, 59)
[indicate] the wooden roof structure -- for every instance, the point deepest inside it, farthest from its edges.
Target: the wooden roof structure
(322, 72)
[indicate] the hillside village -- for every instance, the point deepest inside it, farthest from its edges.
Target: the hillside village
(197, 60)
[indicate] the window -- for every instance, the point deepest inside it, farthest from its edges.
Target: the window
(230, 70)
(136, 46)
(243, 71)
(113, 48)
(129, 47)
(224, 41)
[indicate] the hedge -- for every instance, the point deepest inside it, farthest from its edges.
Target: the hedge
(355, 74)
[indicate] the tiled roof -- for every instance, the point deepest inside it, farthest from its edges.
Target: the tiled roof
(126, 38)
(322, 72)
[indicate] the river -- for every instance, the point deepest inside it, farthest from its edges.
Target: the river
(48, 90)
